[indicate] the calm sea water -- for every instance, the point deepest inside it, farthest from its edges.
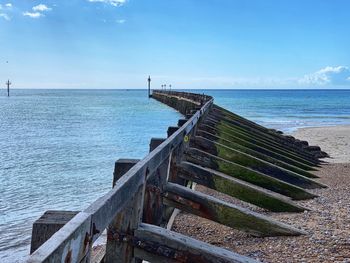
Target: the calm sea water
(58, 147)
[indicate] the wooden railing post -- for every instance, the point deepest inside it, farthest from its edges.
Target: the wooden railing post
(118, 248)
(153, 210)
(47, 225)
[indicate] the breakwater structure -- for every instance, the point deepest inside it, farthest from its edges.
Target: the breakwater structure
(210, 146)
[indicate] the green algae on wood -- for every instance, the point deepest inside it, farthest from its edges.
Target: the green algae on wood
(250, 145)
(254, 153)
(253, 163)
(267, 139)
(262, 138)
(237, 188)
(225, 213)
(243, 173)
(250, 138)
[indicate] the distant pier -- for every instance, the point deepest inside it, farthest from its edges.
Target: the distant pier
(210, 146)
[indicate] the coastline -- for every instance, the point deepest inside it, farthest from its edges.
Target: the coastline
(334, 140)
(326, 223)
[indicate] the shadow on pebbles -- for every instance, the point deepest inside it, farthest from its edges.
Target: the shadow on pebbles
(327, 224)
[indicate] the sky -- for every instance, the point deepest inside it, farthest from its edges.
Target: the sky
(203, 44)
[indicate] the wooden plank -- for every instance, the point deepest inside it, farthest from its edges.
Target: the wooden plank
(121, 167)
(243, 173)
(171, 130)
(237, 188)
(224, 213)
(88, 225)
(125, 222)
(254, 163)
(262, 156)
(106, 208)
(211, 131)
(72, 243)
(47, 225)
(159, 245)
(304, 145)
(257, 141)
(262, 137)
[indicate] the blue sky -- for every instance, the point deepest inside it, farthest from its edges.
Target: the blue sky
(186, 43)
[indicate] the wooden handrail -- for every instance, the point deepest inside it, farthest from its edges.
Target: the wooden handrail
(72, 243)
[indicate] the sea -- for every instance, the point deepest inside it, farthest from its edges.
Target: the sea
(58, 147)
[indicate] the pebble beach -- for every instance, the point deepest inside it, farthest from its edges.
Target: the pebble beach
(327, 222)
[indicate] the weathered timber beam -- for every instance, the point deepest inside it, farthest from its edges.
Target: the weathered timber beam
(69, 244)
(262, 136)
(172, 130)
(125, 222)
(254, 153)
(243, 173)
(263, 143)
(154, 212)
(241, 119)
(253, 163)
(249, 124)
(279, 155)
(225, 213)
(181, 122)
(237, 188)
(47, 225)
(314, 150)
(159, 245)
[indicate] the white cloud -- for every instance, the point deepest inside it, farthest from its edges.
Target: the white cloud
(33, 14)
(41, 8)
(5, 16)
(110, 2)
(328, 76)
(121, 21)
(8, 5)
(37, 11)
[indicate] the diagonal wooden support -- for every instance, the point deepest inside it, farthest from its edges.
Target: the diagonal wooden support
(224, 213)
(240, 123)
(243, 173)
(159, 245)
(263, 137)
(211, 131)
(256, 154)
(237, 188)
(254, 163)
(257, 141)
(313, 150)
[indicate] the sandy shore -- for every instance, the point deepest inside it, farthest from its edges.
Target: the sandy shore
(333, 140)
(327, 223)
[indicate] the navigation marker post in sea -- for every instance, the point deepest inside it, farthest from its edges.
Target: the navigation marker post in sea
(149, 86)
(8, 83)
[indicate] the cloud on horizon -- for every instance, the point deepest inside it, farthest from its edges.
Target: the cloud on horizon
(328, 76)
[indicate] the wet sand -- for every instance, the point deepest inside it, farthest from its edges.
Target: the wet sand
(333, 140)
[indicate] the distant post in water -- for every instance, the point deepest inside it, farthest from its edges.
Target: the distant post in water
(8, 83)
(149, 86)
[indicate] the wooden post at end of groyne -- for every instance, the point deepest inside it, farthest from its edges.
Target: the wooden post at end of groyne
(211, 147)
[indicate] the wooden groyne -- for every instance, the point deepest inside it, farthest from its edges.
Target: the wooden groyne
(212, 147)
